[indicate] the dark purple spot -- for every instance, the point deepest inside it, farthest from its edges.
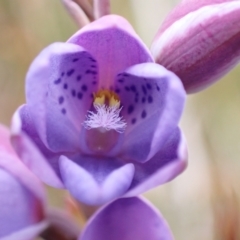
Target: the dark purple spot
(133, 88)
(57, 81)
(158, 88)
(136, 99)
(121, 80)
(143, 100)
(70, 72)
(75, 59)
(130, 109)
(84, 88)
(117, 90)
(65, 86)
(150, 99)
(144, 114)
(94, 82)
(149, 86)
(134, 120)
(144, 89)
(127, 88)
(79, 77)
(61, 100)
(93, 66)
(92, 59)
(91, 72)
(79, 95)
(64, 111)
(73, 92)
(125, 75)
(63, 73)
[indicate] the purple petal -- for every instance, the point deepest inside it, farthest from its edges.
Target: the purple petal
(32, 151)
(128, 219)
(5, 144)
(59, 88)
(152, 99)
(205, 49)
(163, 167)
(27, 233)
(114, 44)
(14, 166)
(185, 7)
(20, 207)
(95, 186)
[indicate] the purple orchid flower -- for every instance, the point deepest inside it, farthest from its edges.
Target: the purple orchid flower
(101, 118)
(22, 202)
(199, 41)
(128, 219)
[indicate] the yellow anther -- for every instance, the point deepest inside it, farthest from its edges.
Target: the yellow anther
(99, 100)
(114, 102)
(106, 97)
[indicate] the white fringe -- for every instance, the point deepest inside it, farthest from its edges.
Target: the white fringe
(106, 117)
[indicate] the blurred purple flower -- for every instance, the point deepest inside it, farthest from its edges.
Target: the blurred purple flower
(199, 41)
(128, 219)
(101, 118)
(22, 203)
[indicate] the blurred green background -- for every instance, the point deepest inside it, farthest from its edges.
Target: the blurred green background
(202, 203)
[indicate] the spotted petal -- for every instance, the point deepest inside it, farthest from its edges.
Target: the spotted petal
(58, 90)
(152, 99)
(113, 43)
(128, 219)
(96, 181)
(200, 44)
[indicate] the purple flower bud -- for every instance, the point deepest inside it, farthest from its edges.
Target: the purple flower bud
(199, 41)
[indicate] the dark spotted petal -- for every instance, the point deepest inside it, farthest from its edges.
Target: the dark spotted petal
(114, 44)
(163, 167)
(127, 219)
(59, 90)
(152, 99)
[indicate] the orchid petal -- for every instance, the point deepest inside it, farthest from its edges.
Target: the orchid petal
(163, 167)
(84, 186)
(128, 219)
(114, 44)
(205, 48)
(31, 149)
(59, 90)
(5, 145)
(152, 99)
(27, 233)
(27, 207)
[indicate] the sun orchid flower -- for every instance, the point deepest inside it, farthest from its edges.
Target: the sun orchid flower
(22, 202)
(128, 219)
(199, 41)
(100, 117)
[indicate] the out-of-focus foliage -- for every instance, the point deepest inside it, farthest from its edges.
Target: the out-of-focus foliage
(193, 204)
